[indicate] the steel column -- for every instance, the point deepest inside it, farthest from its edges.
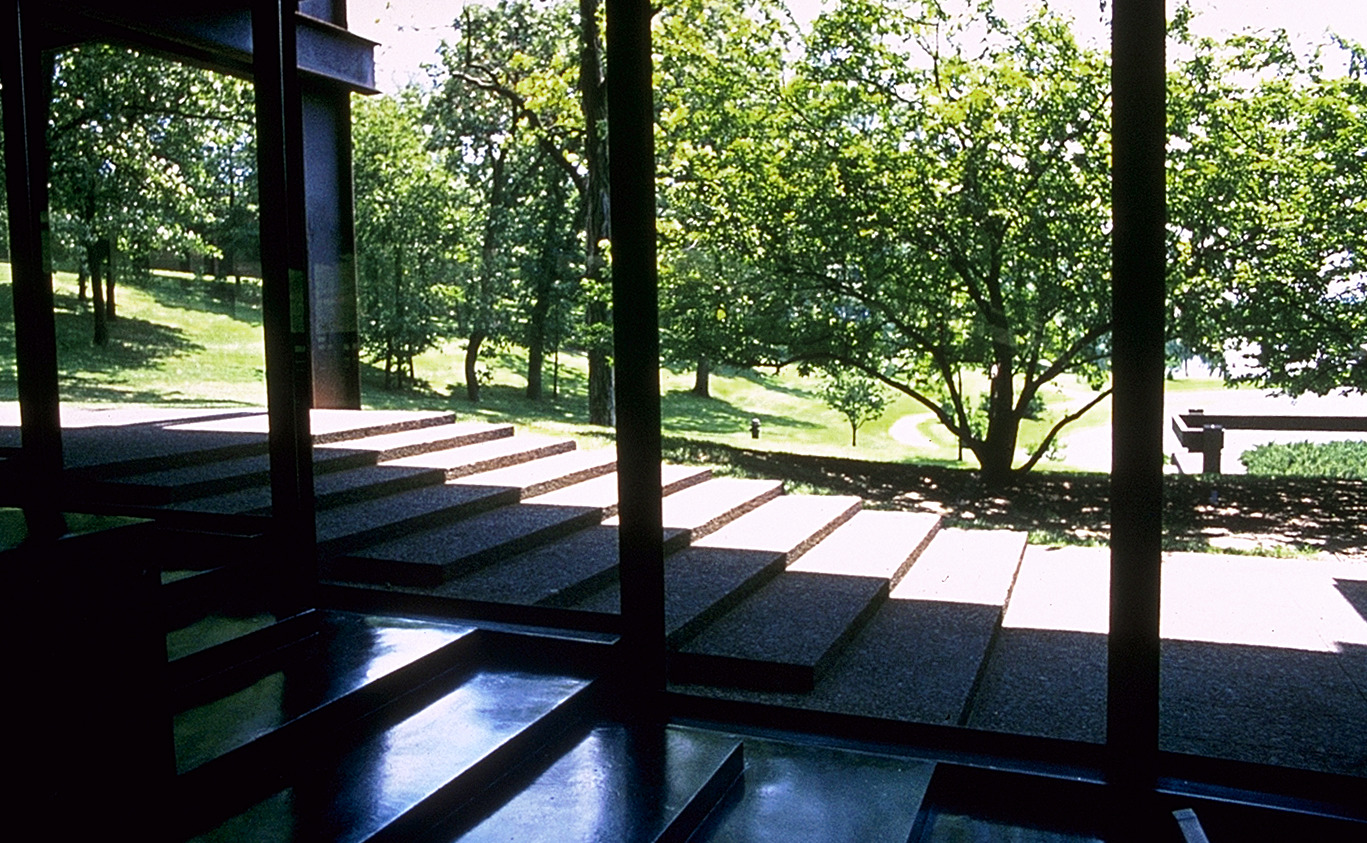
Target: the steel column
(636, 343)
(1139, 134)
(285, 292)
(27, 81)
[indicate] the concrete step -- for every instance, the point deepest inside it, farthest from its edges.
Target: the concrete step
(432, 557)
(421, 440)
(214, 478)
(788, 524)
(919, 657)
(559, 573)
(548, 474)
(487, 456)
(601, 492)
(707, 507)
(872, 544)
(624, 783)
(333, 489)
(791, 629)
(355, 525)
(394, 783)
(326, 426)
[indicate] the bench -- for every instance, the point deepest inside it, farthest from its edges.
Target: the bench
(1204, 433)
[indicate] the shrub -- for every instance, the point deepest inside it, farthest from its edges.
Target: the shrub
(1308, 459)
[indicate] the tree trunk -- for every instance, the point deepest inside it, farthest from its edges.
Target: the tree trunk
(109, 283)
(596, 223)
(471, 371)
(81, 279)
(854, 435)
(998, 449)
(701, 378)
(95, 260)
(536, 360)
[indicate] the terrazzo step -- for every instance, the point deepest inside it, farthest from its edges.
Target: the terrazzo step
(819, 794)
(260, 713)
(626, 784)
(355, 525)
(559, 573)
(548, 474)
(336, 488)
(783, 636)
(601, 492)
(872, 544)
(701, 584)
(788, 524)
(326, 426)
(412, 442)
(487, 456)
(196, 481)
(432, 557)
(440, 752)
(707, 507)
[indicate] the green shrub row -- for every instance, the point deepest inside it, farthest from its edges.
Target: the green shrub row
(1308, 459)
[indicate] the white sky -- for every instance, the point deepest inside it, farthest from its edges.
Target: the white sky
(409, 30)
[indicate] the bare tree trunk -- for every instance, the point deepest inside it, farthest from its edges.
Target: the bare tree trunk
(701, 379)
(596, 223)
(96, 260)
(471, 367)
(109, 283)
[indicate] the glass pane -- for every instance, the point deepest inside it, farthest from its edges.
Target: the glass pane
(1264, 620)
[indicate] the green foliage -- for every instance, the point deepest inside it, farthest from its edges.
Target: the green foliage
(409, 215)
(858, 398)
(1267, 189)
(1346, 459)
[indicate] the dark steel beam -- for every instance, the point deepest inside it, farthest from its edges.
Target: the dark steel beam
(285, 294)
(636, 342)
(27, 81)
(1139, 135)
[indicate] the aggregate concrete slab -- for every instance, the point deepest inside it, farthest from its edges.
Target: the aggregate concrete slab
(548, 474)
(209, 478)
(965, 566)
(421, 440)
(327, 425)
(707, 507)
(357, 524)
(430, 557)
(559, 573)
(335, 488)
(601, 491)
(788, 524)
(872, 544)
(782, 636)
(486, 456)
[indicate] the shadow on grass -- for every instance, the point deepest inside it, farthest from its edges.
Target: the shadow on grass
(682, 410)
(219, 297)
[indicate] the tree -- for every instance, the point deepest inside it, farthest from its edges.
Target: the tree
(858, 398)
(1267, 188)
(408, 216)
(130, 174)
(930, 195)
(538, 66)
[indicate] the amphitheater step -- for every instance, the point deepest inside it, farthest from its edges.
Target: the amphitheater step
(326, 426)
(420, 440)
(432, 557)
(707, 507)
(547, 474)
(355, 525)
(788, 524)
(624, 783)
(872, 544)
(212, 478)
(487, 456)
(601, 492)
(333, 489)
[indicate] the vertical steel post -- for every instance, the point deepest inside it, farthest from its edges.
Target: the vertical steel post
(636, 342)
(1139, 135)
(26, 101)
(285, 293)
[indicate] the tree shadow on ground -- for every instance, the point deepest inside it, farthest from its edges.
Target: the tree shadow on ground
(242, 303)
(1295, 514)
(682, 410)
